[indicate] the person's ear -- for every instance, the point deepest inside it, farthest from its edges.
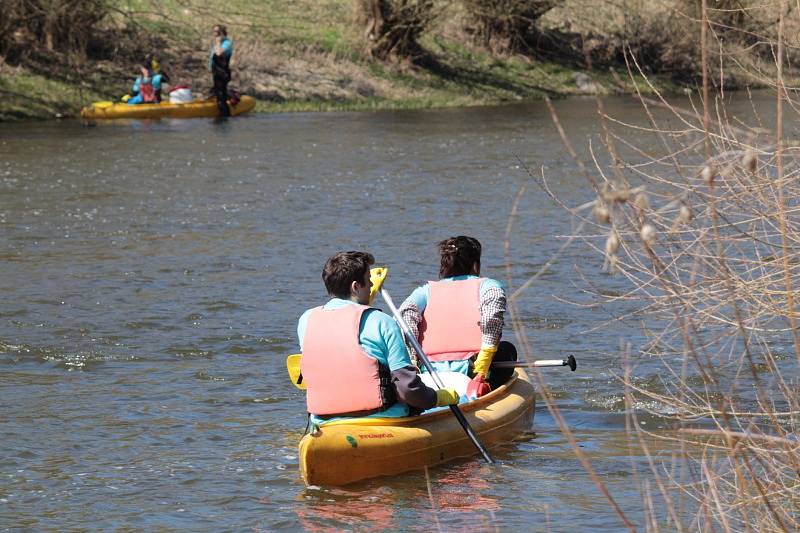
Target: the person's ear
(354, 287)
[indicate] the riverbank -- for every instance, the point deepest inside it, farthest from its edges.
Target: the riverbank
(309, 56)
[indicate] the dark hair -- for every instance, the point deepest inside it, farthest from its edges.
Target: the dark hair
(221, 29)
(343, 269)
(458, 254)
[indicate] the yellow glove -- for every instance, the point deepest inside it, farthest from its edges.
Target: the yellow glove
(125, 97)
(446, 397)
(484, 360)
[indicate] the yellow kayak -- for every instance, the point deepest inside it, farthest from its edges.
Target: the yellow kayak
(345, 451)
(196, 109)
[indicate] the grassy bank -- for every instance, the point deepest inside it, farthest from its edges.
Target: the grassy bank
(309, 55)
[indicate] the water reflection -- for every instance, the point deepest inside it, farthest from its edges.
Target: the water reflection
(334, 509)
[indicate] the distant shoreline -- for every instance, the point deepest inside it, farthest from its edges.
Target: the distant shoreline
(308, 57)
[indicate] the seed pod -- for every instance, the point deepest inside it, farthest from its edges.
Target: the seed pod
(612, 243)
(750, 161)
(622, 195)
(648, 234)
(708, 174)
(610, 264)
(641, 201)
(684, 215)
(601, 213)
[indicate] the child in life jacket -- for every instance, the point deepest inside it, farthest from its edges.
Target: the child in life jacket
(354, 362)
(147, 87)
(458, 319)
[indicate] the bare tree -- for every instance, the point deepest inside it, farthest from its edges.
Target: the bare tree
(393, 27)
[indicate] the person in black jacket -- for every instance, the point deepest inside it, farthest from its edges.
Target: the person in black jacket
(219, 63)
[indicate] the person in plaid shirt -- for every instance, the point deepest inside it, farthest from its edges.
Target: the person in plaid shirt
(458, 320)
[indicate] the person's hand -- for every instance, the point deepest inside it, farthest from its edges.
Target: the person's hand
(478, 387)
(446, 397)
(484, 360)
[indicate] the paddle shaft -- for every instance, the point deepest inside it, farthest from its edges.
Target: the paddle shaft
(569, 361)
(436, 379)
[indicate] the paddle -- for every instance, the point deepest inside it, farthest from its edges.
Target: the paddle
(436, 379)
(293, 366)
(569, 361)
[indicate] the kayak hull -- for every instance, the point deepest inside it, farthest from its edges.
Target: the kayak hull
(345, 451)
(196, 109)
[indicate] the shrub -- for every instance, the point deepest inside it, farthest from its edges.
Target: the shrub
(507, 25)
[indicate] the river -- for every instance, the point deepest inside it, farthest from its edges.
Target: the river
(153, 274)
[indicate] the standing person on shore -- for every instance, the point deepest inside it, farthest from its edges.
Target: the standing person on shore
(219, 63)
(458, 320)
(354, 361)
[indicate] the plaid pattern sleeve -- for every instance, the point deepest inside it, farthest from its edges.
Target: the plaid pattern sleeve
(412, 317)
(493, 307)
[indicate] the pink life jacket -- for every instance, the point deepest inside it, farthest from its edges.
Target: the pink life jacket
(341, 378)
(451, 323)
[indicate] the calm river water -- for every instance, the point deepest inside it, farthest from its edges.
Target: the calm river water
(153, 274)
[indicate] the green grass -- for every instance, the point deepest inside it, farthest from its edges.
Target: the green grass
(461, 75)
(28, 95)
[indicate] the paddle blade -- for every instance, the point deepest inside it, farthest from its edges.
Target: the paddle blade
(377, 276)
(293, 366)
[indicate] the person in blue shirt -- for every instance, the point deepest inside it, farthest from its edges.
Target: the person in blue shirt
(355, 362)
(458, 320)
(147, 86)
(219, 63)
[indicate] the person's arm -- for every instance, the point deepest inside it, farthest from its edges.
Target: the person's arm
(411, 390)
(223, 46)
(411, 311)
(493, 308)
(301, 327)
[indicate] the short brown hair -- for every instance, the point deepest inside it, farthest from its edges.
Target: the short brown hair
(344, 268)
(221, 29)
(458, 254)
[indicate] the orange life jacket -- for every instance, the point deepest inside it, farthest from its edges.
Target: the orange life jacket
(451, 323)
(341, 378)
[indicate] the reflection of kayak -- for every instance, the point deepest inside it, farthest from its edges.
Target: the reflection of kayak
(196, 109)
(344, 451)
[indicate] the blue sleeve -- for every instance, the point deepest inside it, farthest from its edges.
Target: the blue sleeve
(301, 328)
(227, 47)
(137, 84)
(490, 283)
(157, 81)
(419, 298)
(382, 339)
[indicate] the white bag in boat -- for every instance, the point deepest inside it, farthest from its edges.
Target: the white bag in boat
(180, 96)
(454, 380)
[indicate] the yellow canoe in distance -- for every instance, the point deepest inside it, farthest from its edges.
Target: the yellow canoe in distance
(196, 109)
(349, 450)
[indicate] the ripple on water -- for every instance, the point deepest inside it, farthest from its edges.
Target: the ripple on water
(189, 352)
